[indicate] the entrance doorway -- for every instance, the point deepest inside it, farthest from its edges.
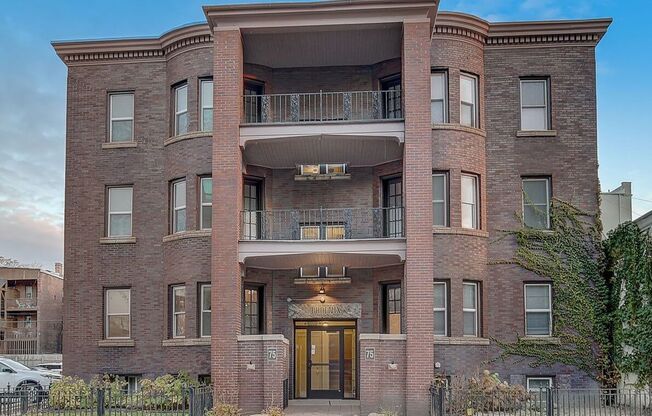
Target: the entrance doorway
(325, 360)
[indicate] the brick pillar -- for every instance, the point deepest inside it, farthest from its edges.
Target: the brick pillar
(417, 285)
(227, 188)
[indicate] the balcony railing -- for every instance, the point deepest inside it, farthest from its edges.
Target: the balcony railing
(30, 337)
(323, 224)
(322, 107)
(21, 303)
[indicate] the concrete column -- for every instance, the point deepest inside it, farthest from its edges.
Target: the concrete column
(417, 284)
(227, 190)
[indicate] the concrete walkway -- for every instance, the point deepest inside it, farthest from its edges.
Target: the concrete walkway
(323, 408)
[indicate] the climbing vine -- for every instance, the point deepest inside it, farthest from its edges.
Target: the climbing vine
(570, 256)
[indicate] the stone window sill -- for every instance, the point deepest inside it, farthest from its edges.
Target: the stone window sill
(460, 231)
(542, 340)
(263, 337)
(461, 341)
(117, 240)
(116, 343)
(459, 127)
(186, 342)
(187, 234)
(383, 337)
(119, 145)
(536, 133)
(187, 136)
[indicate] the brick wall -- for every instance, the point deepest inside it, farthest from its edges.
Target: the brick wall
(383, 387)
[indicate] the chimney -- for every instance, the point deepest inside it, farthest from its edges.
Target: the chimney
(58, 268)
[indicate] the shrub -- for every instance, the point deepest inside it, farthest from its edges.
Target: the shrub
(70, 393)
(224, 409)
(273, 410)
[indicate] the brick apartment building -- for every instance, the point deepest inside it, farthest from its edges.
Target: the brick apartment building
(311, 192)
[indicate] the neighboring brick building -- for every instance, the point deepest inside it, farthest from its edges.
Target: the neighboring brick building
(363, 157)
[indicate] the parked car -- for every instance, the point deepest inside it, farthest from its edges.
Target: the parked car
(48, 368)
(14, 375)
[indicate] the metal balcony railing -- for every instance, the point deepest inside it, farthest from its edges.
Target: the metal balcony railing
(323, 224)
(322, 107)
(21, 303)
(30, 337)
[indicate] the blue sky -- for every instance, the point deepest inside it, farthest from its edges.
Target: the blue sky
(33, 86)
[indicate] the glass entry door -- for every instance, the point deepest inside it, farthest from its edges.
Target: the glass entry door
(324, 363)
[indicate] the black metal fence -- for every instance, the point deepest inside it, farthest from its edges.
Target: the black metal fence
(545, 402)
(192, 401)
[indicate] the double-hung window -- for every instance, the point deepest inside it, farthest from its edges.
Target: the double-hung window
(181, 109)
(535, 108)
(205, 310)
(440, 199)
(178, 206)
(439, 97)
(121, 117)
(206, 209)
(440, 308)
(117, 308)
(119, 211)
(536, 202)
(469, 100)
(470, 197)
(206, 110)
(538, 309)
(178, 311)
(470, 309)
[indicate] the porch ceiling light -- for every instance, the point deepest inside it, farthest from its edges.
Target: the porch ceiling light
(322, 291)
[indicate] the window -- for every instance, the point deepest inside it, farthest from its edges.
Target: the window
(28, 322)
(117, 306)
(468, 100)
(322, 169)
(252, 209)
(538, 310)
(470, 309)
(470, 209)
(393, 207)
(206, 203)
(392, 314)
(391, 97)
(204, 379)
(120, 210)
(439, 97)
(121, 117)
(205, 310)
(178, 311)
(132, 384)
(181, 109)
(441, 308)
(252, 321)
(206, 110)
(535, 111)
(29, 292)
(536, 202)
(178, 206)
(440, 199)
(537, 384)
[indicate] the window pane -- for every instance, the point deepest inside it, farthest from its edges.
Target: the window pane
(122, 106)
(534, 118)
(440, 295)
(539, 383)
(335, 232)
(533, 93)
(206, 190)
(537, 297)
(468, 216)
(437, 86)
(438, 187)
(535, 191)
(310, 233)
(119, 225)
(179, 299)
(466, 115)
(118, 326)
(470, 296)
(394, 323)
(117, 301)
(538, 323)
(182, 123)
(180, 220)
(206, 217)
(180, 322)
(469, 191)
(439, 214)
(182, 99)
(180, 194)
(535, 216)
(206, 298)
(440, 323)
(437, 111)
(121, 130)
(469, 323)
(207, 94)
(120, 199)
(207, 119)
(206, 324)
(467, 89)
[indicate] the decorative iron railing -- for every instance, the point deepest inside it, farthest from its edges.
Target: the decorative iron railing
(322, 107)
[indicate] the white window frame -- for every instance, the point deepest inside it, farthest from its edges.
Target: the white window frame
(180, 207)
(550, 381)
(112, 119)
(203, 204)
(444, 201)
(29, 292)
(545, 105)
(534, 179)
(202, 310)
(334, 227)
(202, 105)
(107, 314)
(475, 310)
(110, 213)
(340, 272)
(444, 99)
(549, 310)
(475, 220)
(444, 309)
(175, 312)
(474, 105)
(178, 112)
(304, 274)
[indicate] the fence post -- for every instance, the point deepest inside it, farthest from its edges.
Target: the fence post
(550, 410)
(192, 408)
(100, 402)
(24, 401)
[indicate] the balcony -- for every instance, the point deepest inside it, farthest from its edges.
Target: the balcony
(355, 237)
(30, 337)
(21, 304)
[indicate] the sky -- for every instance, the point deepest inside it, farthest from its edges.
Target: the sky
(33, 95)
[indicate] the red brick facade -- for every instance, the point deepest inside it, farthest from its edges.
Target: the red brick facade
(154, 259)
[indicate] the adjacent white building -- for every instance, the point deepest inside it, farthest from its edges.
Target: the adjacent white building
(616, 207)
